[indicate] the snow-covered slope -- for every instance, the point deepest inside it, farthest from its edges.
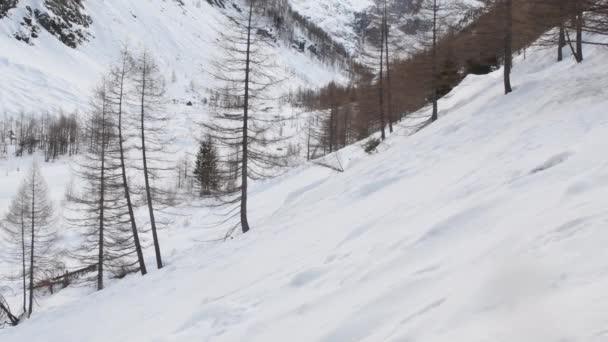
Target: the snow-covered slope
(47, 75)
(339, 18)
(355, 24)
(488, 225)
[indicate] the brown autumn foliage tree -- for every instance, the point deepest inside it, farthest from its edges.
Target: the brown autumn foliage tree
(483, 41)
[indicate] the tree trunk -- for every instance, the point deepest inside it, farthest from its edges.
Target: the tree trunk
(508, 45)
(140, 256)
(244, 174)
(31, 304)
(24, 261)
(332, 119)
(434, 115)
(561, 42)
(381, 86)
(308, 141)
(159, 261)
(102, 189)
(21, 141)
(579, 33)
(389, 98)
(345, 128)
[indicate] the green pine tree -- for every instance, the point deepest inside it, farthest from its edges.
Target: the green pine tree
(206, 173)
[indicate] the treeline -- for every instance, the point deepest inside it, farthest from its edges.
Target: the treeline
(445, 52)
(342, 124)
(53, 135)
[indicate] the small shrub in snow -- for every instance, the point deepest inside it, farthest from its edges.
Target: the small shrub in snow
(371, 145)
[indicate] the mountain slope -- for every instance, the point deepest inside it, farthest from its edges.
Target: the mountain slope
(58, 68)
(355, 24)
(488, 225)
(337, 18)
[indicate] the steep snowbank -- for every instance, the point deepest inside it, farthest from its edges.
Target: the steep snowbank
(489, 225)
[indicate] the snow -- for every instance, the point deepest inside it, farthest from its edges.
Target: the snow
(338, 18)
(50, 76)
(488, 225)
(13, 169)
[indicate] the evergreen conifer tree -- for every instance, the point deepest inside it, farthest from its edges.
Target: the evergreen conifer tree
(206, 173)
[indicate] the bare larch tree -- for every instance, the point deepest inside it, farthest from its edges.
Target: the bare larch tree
(100, 211)
(151, 123)
(31, 235)
(117, 94)
(16, 238)
(243, 126)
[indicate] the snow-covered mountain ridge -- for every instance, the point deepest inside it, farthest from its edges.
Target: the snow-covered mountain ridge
(488, 225)
(53, 52)
(338, 18)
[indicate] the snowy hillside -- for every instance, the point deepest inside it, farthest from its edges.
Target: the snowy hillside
(355, 23)
(45, 74)
(338, 18)
(488, 225)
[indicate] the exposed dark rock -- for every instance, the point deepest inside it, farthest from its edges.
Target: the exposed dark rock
(412, 26)
(64, 19)
(361, 22)
(299, 44)
(5, 6)
(69, 22)
(313, 49)
(218, 3)
(265, 34)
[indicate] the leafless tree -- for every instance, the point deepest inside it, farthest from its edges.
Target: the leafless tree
(387, 51)
(28, 226)
(99, 211)
(16, 246)
(243, 127)
(41, 231)
(151, 123)
(118, 102)
(373, 57)
(436, 15)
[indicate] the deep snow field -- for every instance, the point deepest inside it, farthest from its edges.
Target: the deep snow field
(488, 225)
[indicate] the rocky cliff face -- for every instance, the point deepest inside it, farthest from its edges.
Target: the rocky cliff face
(5, 6)
(65, 19)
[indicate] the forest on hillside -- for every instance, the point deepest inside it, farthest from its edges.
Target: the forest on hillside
(388, 87)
